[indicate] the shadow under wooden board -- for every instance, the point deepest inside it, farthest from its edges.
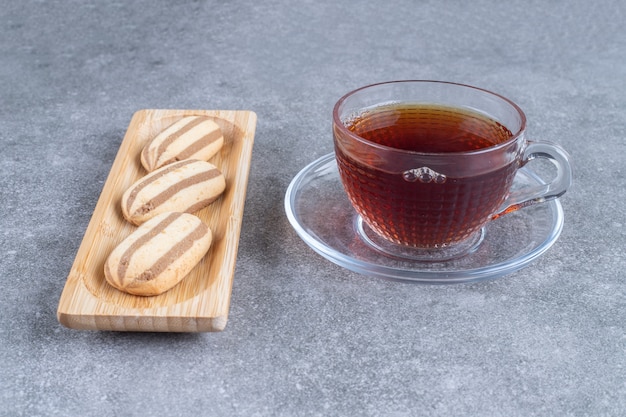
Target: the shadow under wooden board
(200, 302)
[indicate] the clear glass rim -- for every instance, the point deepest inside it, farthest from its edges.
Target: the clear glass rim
(338, 123)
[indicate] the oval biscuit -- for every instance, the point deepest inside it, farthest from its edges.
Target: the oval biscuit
(185, 186)
(158, 254)
(192, 137)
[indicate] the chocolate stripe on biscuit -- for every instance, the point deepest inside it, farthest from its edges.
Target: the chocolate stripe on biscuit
(204, 141)
(150, 179)
(172, 137)
(179, 186)
(184, 129)
(201, 204)
(173, 254)
(128, 253)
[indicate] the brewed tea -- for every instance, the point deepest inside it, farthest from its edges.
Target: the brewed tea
(429, 128)
(425, 214)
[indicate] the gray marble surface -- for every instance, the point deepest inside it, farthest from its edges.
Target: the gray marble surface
(304, 336)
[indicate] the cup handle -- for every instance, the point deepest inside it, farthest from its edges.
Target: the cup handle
(529, 196)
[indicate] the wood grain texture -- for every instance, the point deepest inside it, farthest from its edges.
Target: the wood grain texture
(200, 302)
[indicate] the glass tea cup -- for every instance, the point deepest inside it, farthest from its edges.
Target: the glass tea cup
(426, 164)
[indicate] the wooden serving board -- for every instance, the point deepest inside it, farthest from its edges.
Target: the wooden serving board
(200, 302)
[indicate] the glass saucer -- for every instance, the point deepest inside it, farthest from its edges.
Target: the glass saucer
(320, 212)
